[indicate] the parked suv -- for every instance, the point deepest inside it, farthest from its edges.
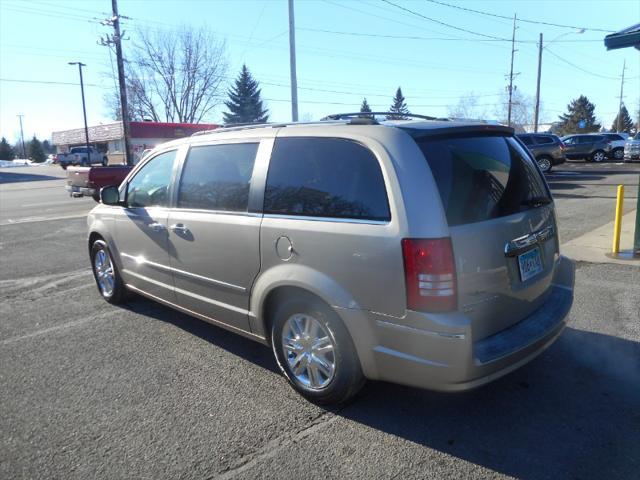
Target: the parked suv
(595, 148)
(418, 252)
(617, 141)
(632, 148)
(547, 149)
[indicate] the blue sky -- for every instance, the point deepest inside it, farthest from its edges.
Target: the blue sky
(347, 50)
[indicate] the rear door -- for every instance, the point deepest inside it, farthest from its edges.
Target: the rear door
(502, 226)
(213, 237)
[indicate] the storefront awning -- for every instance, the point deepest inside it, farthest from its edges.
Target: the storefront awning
(629, 37)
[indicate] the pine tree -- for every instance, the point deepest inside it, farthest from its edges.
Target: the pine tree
(625, 123)
(35, 152)
(6, 150)
(580, 109)
(398, 108)
(365, 108)
(244, 104)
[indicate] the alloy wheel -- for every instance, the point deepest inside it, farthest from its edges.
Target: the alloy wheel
(309, 351)
(104, 272)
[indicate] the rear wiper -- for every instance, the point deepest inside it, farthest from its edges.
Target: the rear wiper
(537, 201)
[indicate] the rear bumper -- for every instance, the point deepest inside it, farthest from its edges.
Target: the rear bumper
(80, 191)
(438, 352)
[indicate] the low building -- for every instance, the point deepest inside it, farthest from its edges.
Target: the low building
(109, 137)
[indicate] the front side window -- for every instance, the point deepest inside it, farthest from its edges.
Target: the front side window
(150, 186)
(569, 140)
(217, 177)
(325, 177)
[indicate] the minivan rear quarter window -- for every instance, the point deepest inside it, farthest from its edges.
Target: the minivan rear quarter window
(483, 177)
(325, 177)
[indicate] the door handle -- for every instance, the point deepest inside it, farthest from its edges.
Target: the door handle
(157, 227)
(179, 228)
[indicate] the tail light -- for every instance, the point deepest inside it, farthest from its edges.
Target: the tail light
(562, 146)
(430, 274)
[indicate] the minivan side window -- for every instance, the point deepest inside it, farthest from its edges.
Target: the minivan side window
(542, 140)
(150, 186)
(528, 141)
(217, 177)
(325, 177)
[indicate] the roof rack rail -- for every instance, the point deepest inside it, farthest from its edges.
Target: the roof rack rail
(248, 126)
(371, 116)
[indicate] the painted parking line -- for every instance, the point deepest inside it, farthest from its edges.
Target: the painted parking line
(17, 221)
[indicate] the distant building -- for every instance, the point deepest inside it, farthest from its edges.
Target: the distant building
(109, 137)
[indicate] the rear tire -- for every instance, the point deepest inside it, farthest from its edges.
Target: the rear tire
(598, 156)
(319, 359)
(545, 164)
(106, 274)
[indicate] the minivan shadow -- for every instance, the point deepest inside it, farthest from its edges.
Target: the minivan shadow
(574, 412)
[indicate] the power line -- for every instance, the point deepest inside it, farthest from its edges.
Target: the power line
(537, 22)
(49, 82)
(443, 23)
(578, 67)
(403, 37)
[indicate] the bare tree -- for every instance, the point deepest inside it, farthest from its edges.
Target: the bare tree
(522, 108)
(177, 77)
(468, 107)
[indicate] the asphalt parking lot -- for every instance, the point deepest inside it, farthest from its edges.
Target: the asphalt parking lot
(90, 390)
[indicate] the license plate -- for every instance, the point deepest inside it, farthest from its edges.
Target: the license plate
(530, 264)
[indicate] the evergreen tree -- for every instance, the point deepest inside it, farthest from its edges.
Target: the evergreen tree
(365, 108)
(580, 109)
(35, 152)
(398, 108)
(47, 147)
(622, 122)
(6, 150)
(244, 104)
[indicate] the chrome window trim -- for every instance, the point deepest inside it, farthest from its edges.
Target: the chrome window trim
(167, 268)
(362, 221)
(215, 212)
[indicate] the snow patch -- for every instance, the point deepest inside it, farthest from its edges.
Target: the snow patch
(21, 162)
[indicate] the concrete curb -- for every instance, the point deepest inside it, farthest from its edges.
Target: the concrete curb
(594, 246)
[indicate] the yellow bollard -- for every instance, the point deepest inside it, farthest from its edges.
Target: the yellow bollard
(618, 220)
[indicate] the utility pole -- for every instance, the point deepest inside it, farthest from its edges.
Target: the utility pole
(513, 51)
(84, 110)
(292, 60)
(115, 39)
(24, 153)
(624, 65)
(537, 112)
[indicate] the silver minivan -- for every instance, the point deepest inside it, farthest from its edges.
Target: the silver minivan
(417, 252)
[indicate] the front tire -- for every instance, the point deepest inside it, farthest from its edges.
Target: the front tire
(598, 156)
(315, 352)
(618, 154)
(105, 273)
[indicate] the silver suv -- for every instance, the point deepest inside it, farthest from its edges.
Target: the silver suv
(418, 252)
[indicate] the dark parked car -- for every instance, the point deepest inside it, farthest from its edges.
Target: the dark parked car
(595, 148)
(547, 149)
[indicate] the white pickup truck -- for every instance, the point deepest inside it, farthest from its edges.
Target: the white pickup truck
(80, 156)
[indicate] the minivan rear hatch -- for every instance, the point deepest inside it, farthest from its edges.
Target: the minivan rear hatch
(502, 222)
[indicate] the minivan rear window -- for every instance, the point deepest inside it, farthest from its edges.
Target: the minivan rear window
(483, 177)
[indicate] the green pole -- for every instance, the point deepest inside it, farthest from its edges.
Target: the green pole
(636, 238)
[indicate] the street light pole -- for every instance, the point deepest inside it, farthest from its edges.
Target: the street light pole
(24, 152)
(540, 48)
(84, 109)
(292, 61)
(537, 112)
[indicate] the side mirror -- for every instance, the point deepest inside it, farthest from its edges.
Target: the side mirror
(110, 195)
